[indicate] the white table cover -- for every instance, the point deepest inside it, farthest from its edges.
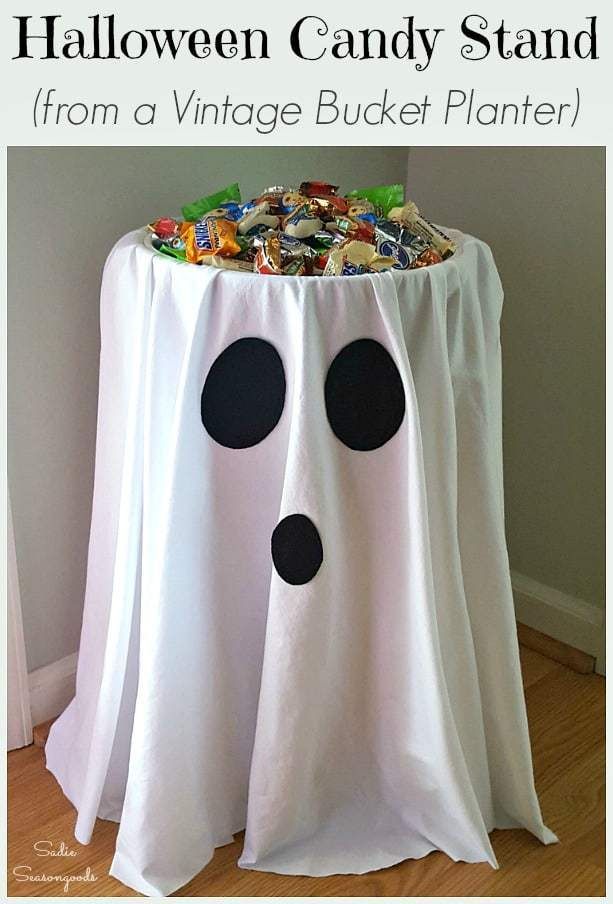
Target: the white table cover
(371, 713)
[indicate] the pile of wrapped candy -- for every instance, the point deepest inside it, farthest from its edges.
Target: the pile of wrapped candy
(305, 231)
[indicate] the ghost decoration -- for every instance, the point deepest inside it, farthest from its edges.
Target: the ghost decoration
(298, 619)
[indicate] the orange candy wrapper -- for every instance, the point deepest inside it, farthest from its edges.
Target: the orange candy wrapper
(209, 237)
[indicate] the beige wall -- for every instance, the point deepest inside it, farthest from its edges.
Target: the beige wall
(66, 209)
(542, 212)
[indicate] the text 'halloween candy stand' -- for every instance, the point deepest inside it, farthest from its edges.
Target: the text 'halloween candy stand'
(298, 618)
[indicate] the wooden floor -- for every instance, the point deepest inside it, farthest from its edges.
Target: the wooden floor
(566, 712)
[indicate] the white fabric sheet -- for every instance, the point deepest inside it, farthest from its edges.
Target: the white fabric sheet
(372, 714)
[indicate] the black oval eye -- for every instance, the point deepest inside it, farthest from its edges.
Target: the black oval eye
(296, 548)
(364, 395)
(244, 393)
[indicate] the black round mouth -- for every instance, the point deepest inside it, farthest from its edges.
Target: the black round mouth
(297, 551)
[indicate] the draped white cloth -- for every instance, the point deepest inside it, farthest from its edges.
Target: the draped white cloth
(370, 714)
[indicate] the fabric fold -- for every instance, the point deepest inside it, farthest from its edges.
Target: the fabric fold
(81, 744)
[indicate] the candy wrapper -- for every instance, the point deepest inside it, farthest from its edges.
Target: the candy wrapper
(360, 230)
(209, 237)
(268, 257)
(301, 224)
(258, 219)
(405, 256)
(354, 254)
(304, 231)
(169, 250)
(315, 189)
(427, 258)
(165, 228)
(382, 197)
(408, 215)
(197, 209)
(227, 263)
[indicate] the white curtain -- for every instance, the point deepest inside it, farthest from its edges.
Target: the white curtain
(19, 720)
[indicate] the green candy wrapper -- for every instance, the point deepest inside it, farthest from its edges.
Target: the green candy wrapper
(178, 253)
(384, 197)
(197, 209)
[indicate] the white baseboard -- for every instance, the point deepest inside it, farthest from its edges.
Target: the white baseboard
(52, 687)
(559, 615)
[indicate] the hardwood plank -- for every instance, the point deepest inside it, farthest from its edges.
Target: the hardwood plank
(41, 733)
(574, 805)
(535, 666)
(560, 652)
(566, 714)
